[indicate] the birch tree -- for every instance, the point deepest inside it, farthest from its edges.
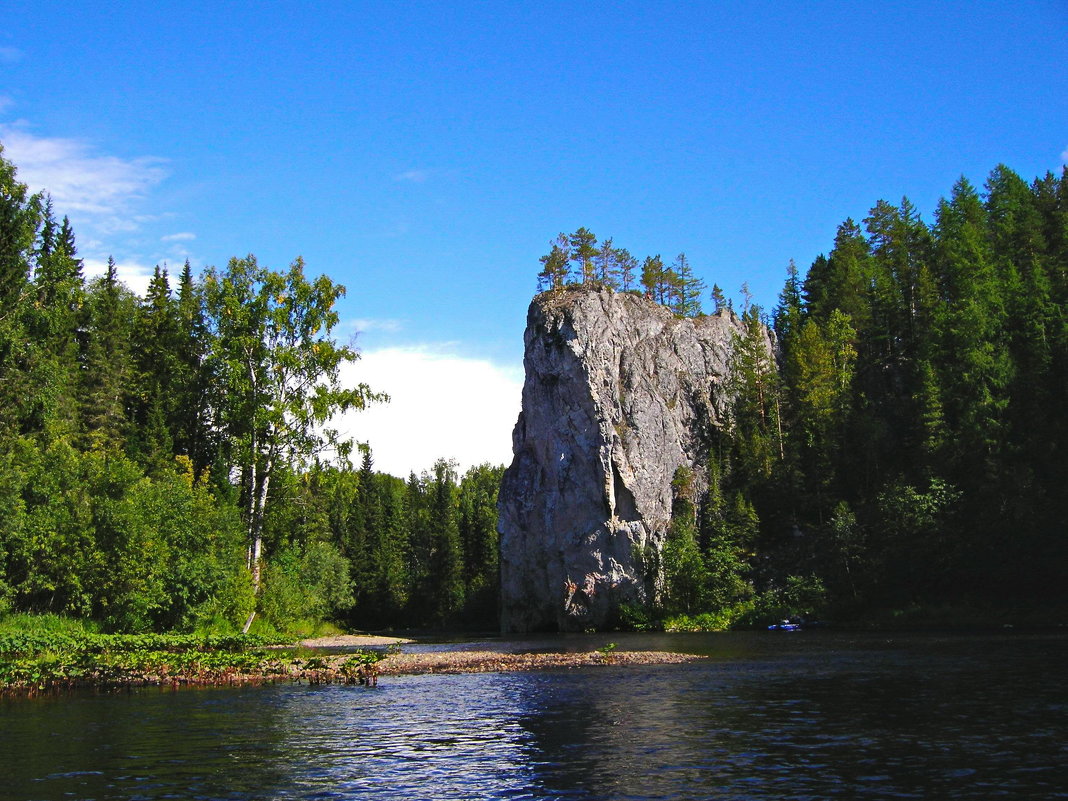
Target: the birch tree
(278, 368)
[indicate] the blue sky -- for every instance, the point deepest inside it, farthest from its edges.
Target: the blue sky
(423, 154)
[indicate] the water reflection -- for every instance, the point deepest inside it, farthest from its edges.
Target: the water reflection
(455, 734)
(766, 717)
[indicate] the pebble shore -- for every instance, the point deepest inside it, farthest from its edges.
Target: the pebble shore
(488, 659)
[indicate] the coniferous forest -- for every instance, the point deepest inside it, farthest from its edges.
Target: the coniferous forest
(924, 374)
(905, 449)
(166, 461)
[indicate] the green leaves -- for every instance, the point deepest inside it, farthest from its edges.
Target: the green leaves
(36, 661)
(89, 534)
(276, 359)
(278, 372)
(578, 259)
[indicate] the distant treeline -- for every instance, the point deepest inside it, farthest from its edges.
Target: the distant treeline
(909, 447)
(166, 461)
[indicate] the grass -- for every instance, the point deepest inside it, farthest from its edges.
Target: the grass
(46, 653)
(46, 624)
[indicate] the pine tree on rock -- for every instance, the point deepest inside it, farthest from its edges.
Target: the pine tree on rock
(719, 300)
(654, 279)
(583, 253)
(606, 267)
(556, 265)
(688, 288)
(626, 265)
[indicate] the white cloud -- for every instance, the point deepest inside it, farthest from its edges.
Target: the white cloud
(363, 325)
(1064, 156)
(135, 276)
(103, 195)
(82, 182)
(442, 405)
(412, 176)
(184, 236)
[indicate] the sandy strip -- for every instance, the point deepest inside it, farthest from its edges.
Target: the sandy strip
(352, 641)
(497, 662)
(481, 659)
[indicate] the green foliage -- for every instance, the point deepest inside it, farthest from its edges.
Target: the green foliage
(904, 448)
(902, 445)
(578, 259)
(91, 535)
(324, 573)
(310, 582)
(685, 574)
(39, 659)
(720, 620)
(122, 420)
(278, 372)
(631, 616)
(606, 650)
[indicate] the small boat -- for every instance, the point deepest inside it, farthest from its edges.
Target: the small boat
(786, 625)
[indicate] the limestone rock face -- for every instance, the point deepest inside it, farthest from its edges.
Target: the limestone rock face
(619, 393)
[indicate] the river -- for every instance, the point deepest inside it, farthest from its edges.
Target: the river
(804, 715)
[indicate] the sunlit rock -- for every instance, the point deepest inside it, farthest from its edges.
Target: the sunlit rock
(619, 393)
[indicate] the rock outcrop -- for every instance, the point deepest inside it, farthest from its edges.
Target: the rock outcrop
(619, 393)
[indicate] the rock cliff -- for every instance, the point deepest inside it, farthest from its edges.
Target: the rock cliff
(619, 393)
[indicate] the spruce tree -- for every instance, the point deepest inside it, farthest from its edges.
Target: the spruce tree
(192, 430)
(755, 422)
(109, 368)
(20, 218)
(689, 288)
(420, 566)
(157, 357)
(446, 548)
(974, 357)
(477, 501)
(53, 325)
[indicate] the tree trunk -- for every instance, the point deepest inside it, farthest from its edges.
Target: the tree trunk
(259, 503)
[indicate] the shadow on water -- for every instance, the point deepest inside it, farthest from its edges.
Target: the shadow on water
(808, 715)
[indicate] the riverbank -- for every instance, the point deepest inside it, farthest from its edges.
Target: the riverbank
(500, 662)
(336, 641)
(32, 666)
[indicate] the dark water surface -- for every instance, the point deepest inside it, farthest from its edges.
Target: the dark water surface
(809, 715)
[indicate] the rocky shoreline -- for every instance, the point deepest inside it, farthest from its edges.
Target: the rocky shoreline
(486, 658)
(348, 659)
(501, 662)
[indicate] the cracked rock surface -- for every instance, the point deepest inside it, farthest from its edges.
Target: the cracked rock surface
(619, 393)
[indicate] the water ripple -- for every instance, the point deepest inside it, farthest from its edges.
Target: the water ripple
(824, 718)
